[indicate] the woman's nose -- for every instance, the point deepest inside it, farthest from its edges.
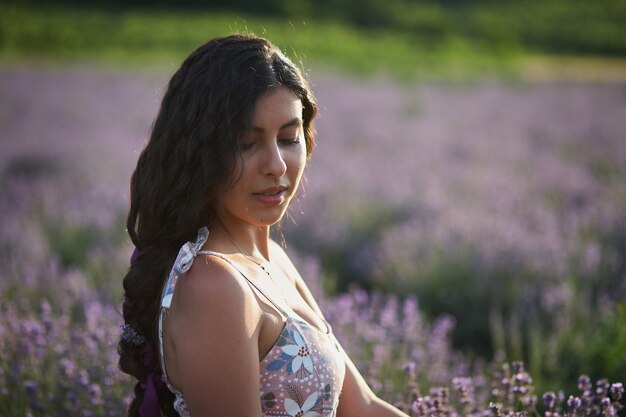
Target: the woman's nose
(275, 164)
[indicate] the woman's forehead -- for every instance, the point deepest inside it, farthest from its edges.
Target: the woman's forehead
(277, 109)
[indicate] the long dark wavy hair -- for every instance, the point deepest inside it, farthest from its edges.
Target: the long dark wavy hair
(189, 161)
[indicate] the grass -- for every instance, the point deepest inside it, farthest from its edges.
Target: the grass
(144, 39)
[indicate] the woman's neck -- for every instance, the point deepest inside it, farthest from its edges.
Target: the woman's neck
(247, 240)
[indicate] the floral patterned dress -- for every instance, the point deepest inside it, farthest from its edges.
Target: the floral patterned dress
(301, 375)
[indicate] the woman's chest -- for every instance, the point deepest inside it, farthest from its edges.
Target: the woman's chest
(303, 372)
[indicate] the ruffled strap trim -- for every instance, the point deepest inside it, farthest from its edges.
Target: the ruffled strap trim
(184, 260)
(186, 255)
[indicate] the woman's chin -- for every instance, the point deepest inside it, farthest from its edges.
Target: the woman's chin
(273, 217)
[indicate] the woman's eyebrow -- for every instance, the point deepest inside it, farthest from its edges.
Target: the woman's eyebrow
(294, 122)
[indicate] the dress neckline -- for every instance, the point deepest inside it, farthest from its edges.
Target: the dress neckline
(293, 320)
(300, 319)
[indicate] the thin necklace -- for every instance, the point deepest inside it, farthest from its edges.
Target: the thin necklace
(253, 260)
(249, 257)
(282, 293)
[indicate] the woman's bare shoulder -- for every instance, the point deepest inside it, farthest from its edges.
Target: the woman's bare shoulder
(214, 286)
(215, 327)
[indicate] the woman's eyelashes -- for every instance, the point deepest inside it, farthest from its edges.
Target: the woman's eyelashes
(287, 141)
(292, 141)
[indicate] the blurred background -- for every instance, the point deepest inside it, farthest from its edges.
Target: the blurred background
(465, 206)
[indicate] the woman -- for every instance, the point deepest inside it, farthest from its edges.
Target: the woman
(218, 322)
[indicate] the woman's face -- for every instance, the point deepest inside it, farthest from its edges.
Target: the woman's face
(273, 158)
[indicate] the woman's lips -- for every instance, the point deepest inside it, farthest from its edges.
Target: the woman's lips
(273, 196)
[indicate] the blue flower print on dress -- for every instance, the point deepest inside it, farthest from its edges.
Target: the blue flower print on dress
(300, 354)
(295, 353)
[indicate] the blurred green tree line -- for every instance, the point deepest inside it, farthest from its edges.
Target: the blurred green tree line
(557, 26)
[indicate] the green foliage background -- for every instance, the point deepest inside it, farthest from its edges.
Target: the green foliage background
(442, 39)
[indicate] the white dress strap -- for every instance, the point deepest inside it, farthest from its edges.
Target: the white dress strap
(252, 284)
(186, 255)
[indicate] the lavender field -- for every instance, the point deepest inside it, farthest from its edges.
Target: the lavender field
(448, 228)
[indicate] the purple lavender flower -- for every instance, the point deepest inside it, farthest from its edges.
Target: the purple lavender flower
(549, 400)
(95, 394)
(602, 387)
(584, 383)
(616, 391)
(574, 403)
(31, 387)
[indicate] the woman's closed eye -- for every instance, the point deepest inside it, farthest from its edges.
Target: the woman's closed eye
(286, 141)
(290, 141)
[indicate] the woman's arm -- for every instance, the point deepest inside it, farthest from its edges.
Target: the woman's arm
(357, 399)
(213, 330)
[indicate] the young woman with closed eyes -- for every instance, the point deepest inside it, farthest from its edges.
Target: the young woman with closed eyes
(218, 321)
